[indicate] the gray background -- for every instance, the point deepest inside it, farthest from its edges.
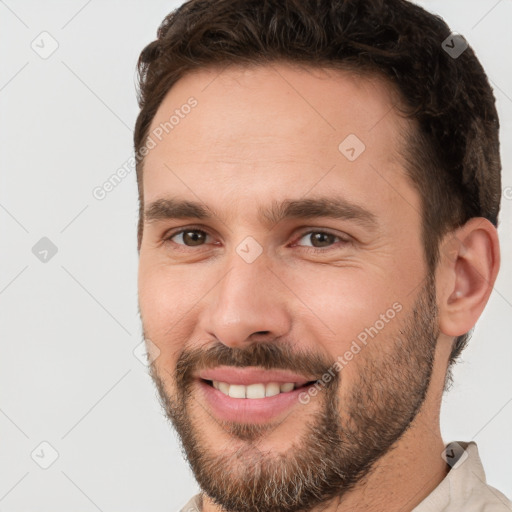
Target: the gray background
(68, 373)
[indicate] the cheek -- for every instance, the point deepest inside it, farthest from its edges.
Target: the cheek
(165, 292)
(356, 315)
(345, 300)
(165, 310)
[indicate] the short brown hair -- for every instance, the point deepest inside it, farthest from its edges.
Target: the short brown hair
(453, 156)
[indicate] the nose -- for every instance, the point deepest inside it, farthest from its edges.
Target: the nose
(248, 303)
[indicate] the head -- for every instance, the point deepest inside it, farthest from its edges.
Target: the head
(344, 125)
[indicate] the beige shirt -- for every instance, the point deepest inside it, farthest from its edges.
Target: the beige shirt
(464, 488)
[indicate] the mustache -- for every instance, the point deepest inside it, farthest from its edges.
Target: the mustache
(263, 354)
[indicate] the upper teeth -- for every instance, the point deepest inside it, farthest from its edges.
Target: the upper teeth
(252, 390)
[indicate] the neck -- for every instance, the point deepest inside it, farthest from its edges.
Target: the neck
(401, 479)
(414, 467)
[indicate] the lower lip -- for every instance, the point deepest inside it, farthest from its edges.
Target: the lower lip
(249, 410)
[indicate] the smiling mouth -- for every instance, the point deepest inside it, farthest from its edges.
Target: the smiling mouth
(256, 390)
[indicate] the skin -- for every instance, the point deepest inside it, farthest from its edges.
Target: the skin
(269, 133)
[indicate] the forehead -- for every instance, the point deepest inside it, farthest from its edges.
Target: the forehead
(281, 99)
(273, 126)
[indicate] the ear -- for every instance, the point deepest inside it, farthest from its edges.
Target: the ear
(468, 267)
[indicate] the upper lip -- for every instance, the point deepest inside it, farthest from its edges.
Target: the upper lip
(251, 375)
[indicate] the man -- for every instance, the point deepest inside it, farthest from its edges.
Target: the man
(319, 189)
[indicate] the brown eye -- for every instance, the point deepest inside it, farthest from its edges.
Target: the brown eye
(319, 239)
(189, 237)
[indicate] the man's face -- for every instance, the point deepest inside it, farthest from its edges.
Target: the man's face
(259, 302)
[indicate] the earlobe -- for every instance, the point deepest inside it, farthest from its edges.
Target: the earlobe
(468, 267)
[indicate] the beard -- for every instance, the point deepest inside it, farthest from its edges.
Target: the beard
(340, 442)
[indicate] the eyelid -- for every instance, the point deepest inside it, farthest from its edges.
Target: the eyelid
(344, 238)
(166, 237)
(325, 231)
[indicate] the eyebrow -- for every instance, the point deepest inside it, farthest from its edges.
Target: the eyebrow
(329, 207)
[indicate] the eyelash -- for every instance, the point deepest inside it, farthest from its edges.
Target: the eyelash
(181, 247)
